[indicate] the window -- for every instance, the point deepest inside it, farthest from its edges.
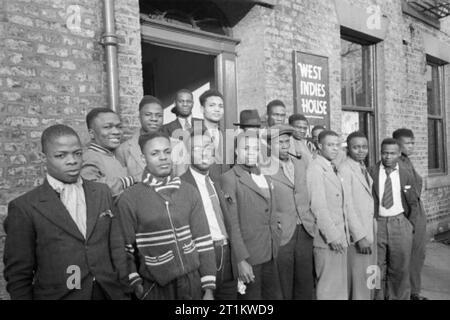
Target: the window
(358, 91)
(436, 121)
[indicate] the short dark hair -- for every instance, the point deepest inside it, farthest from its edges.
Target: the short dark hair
(327, 133)
(274, 103)
(93, 114)
(56, 131)
(210, 93)
(356, 134)
(389, 141)
(318, 127)
(147, 100)
(143, 139)
(403, 133)
(183, 91)
(296, 117)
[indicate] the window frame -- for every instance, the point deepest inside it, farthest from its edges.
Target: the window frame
(370, 86)
(442, 152)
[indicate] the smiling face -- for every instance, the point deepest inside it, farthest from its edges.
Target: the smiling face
(106, 130)
(157, 153)
(184, 104)
(358, 149)
(151, 117)
(63, 158)
(213, 109)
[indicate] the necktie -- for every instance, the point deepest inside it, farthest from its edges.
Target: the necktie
(388, 198)
(72, 196)
(365, 173)
(216, 205)
(187, 125)
(334, 168)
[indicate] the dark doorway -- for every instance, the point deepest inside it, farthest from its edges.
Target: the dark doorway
(167, 70)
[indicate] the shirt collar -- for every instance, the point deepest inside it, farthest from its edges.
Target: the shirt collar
(95, 147)
(395, 168)
(198, 174)
(59, 186)
(250, 170)
(183, 120)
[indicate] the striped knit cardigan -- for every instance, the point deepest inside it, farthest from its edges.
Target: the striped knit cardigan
(169, 238)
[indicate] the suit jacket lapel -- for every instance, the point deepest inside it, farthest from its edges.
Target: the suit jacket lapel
(281, 177)
(357, 169)
(376, 180)
(189, 178)
(246, 179)
(92, 207)
(51, 207)
(329, 173)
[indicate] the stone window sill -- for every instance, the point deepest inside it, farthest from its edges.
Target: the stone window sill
(437, 181)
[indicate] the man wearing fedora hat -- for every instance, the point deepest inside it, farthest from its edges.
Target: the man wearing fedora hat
(249, 119)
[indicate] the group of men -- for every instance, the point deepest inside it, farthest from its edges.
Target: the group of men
(164, 216)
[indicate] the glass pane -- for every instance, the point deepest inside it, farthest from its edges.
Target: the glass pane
(433, 90)
(435, 144)
(352, 84)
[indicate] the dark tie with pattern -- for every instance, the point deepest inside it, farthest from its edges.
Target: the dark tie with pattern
(216, 205)
(388, 198)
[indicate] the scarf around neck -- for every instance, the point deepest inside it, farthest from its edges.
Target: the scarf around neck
(165, 186)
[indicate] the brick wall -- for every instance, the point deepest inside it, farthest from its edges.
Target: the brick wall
(50, 73)
(313, 26)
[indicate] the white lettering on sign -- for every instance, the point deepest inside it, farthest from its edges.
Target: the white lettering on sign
(73, 21)
(312, 89)
(374, 19)
(310, 71)
(318, 107)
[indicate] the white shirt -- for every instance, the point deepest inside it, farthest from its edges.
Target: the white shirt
(397, 208)
(215, 135)
(184, 120)
(260, 181)
(72, 196)
(214, 228)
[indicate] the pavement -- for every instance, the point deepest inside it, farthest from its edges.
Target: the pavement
(436, 272)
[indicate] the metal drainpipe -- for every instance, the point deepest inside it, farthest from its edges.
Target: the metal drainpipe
(109, 41)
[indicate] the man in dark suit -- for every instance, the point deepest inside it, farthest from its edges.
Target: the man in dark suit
(63, 240)
(224, 225)
(405, 138)
(396, 207)
(249, 196)
(295, 259)
(184, 102)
